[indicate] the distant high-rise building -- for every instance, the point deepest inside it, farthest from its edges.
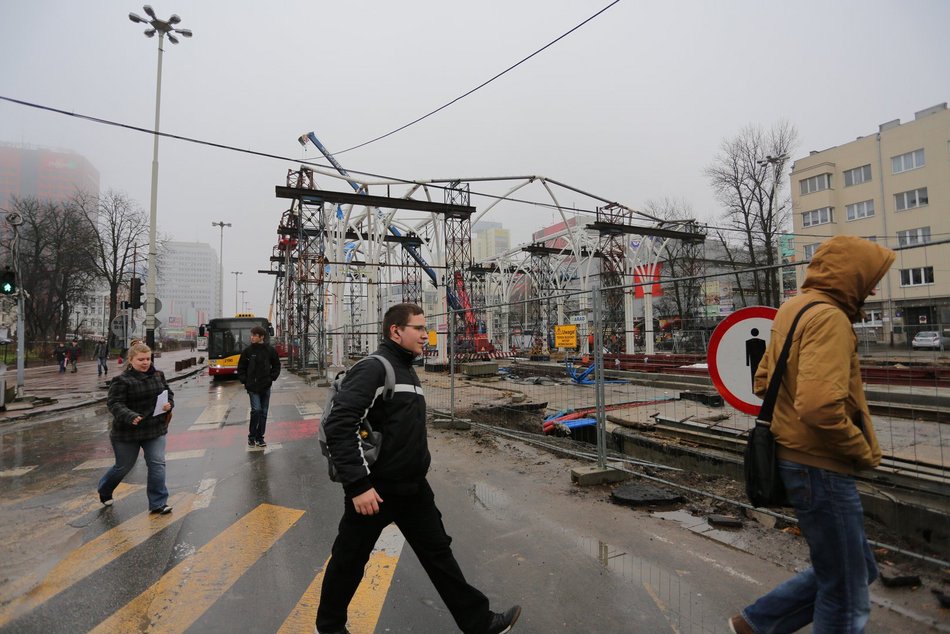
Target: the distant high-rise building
(187, 286)
(488, 240)
(45, 174)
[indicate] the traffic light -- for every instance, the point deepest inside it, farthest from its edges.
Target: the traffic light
(8, 285)
(135, 293)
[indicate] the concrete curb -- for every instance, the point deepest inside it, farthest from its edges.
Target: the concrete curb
(54, 409)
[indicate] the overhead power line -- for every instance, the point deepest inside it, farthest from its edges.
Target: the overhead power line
(480, 86)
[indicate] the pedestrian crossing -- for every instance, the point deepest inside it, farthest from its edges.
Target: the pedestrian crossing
(181, 596)
(176, 600)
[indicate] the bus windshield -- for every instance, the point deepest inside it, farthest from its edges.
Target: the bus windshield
(229, 337)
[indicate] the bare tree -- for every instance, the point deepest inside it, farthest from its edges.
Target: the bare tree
(119, 225)
(747, 178)
(55, 270)
(684, 261)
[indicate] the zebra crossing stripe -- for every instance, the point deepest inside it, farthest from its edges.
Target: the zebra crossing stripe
(105, 463)
(98, 553)
(183, 594)
(212, 417)
(367, 603)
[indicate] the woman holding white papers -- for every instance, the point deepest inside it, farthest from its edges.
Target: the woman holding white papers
(140, 402)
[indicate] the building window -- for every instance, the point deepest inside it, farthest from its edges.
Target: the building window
(810, 250)
(864, 209)
(911, 199)
(815, 183)
(920, 235)
(857, 176)
(871, 317)
(817, 217)
(909, 161)
(918, 276)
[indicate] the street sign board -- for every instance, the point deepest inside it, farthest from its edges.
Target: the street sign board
(118, 326)
(735, 349)
(578, 319)
(565, 336)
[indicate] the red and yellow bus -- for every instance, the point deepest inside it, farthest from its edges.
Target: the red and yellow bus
(227, 338)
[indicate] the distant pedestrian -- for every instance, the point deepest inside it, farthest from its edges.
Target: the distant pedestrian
(74, 353)
(102, 357)
(60, 353)
(192, 346)
(824, 436)
(258, 368)
(133, 396)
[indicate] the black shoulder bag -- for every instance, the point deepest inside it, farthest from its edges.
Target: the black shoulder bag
(762, 482)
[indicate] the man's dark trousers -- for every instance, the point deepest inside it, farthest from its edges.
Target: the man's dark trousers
(421, 524)
(260, 402)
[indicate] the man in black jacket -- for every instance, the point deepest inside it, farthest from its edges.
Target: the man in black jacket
(258, 368)
(395, 488)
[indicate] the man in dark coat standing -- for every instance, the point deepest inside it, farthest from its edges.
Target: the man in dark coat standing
(258, 368)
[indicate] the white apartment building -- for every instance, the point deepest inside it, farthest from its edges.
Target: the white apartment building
(893, 187)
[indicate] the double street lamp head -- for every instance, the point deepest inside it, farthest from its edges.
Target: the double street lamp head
(164, 27)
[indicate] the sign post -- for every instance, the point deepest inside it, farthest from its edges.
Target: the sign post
(735, 349)
(565, 336)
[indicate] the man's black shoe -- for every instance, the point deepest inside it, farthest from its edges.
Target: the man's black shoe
(107, 501)
(251, 443)
(162, 510)
(501, 623)
(261, 443)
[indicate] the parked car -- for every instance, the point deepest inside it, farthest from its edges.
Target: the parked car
(930, 339)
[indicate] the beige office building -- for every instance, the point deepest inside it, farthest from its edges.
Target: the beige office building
(893, 187)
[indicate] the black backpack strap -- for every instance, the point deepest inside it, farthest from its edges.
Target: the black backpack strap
(390, 384)
(768, 403)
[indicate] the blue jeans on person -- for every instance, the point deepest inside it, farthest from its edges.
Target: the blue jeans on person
(833, 593)
(259, 403)
(126, 453)
(103, 367)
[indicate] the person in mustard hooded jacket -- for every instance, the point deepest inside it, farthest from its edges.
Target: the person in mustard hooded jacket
(822, 427)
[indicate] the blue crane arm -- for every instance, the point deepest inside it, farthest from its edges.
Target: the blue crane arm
(411, 249)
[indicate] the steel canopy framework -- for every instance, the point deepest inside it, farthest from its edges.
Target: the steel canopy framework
(343, 257)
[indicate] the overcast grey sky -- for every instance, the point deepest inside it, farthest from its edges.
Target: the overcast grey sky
(632, 106)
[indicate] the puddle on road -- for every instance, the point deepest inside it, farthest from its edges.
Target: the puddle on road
(684, 608)
(488, 497)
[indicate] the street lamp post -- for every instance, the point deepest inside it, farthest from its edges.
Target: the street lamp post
(243, 303)
(777, 280)
(163, 28)
(221, 224)
(235, 274)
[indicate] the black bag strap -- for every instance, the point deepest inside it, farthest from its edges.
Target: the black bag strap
(768, 403)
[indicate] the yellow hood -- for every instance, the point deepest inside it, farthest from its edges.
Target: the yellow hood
(847, 268)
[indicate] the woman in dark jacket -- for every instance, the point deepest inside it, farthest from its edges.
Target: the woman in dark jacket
(132, 399)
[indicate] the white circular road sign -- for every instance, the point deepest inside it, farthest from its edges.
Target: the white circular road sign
(735, 349)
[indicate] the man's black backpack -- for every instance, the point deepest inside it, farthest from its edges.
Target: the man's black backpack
(370, 440)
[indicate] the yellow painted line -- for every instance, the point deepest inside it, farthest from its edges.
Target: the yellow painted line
(304, 615)
(183, 594)
(100, 552)
(660, 604)
(368, 601)
(212, 417)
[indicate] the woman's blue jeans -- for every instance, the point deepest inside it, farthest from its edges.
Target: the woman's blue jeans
(832, 594)
(126, 453)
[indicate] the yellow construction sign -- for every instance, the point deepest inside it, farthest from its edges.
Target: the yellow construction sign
(565, 336)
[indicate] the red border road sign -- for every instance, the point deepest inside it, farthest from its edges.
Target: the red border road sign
(729, 358)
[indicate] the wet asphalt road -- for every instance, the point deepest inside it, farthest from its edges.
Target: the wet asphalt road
(244, 548)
